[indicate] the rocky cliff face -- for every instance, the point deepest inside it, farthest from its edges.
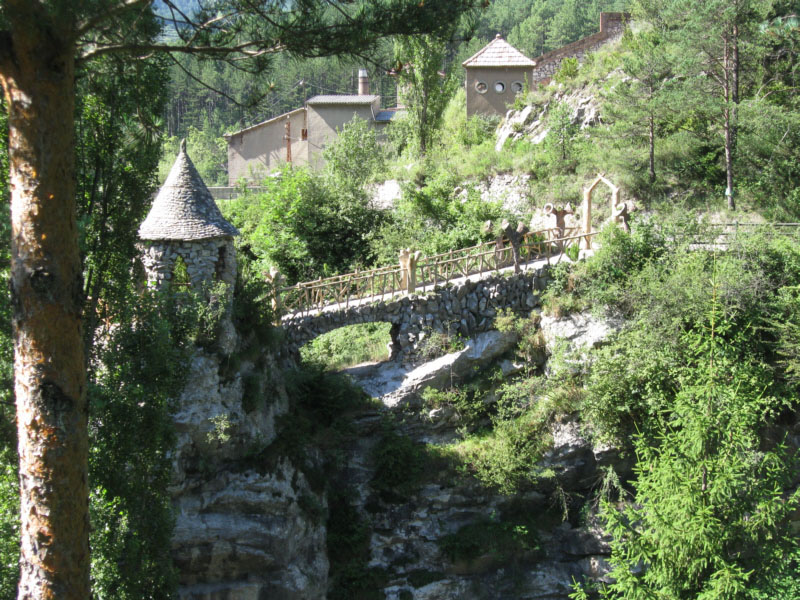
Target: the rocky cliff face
(242, 531)
(531, 122)
(250, 524)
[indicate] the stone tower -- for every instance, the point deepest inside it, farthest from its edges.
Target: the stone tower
(185, 222)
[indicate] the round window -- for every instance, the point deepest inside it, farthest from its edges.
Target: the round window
(499, 87)
(481, 87)
(517, 87)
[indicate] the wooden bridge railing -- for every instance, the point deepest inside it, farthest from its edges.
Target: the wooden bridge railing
(420, 273)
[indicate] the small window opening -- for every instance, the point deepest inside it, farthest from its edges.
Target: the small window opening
(481, 87)
(222, 254)
(499, 87)
(180, 274)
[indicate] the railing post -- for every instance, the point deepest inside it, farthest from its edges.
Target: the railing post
(412, 271)
(408, 269)
(587, 215)
(275, 278)
(404, 254)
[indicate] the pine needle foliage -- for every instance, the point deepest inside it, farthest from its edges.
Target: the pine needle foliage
(710, 515)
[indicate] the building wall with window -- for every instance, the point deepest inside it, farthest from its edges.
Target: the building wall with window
(327, 115)
(257, 150)
(490, 90)
(498, 71)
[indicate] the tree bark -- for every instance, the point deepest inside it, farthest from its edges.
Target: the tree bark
(652, 146)
(37, 75)
(728, 124)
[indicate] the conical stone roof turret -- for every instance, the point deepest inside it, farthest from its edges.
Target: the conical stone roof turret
(184, 209)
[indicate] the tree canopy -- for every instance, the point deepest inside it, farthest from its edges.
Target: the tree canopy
(44, 44)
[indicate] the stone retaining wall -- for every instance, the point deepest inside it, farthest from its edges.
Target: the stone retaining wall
(611, 27)
(466, 308)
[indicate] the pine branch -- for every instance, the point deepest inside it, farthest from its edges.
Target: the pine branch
(108, 15)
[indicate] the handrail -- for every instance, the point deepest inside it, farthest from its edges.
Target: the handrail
(728, 229)
(424, 273)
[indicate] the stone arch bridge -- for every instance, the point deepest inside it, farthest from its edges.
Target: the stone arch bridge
(460, 291)
(464, 306)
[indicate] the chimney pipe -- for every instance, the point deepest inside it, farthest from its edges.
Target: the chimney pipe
(363, 82)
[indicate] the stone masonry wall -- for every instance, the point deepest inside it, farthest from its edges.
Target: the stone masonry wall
(466, 308)
(201, 258)
(548, 64)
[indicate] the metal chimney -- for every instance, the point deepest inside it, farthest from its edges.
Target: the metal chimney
(363, 82)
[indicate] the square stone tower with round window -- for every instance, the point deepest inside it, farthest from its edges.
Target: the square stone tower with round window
(494, 76)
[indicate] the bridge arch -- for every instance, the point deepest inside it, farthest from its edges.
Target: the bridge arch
(351, 345)
(467, 307)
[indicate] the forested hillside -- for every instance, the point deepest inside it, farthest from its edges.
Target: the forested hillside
(207, 99)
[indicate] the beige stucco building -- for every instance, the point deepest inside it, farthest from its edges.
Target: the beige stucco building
(495, 74)
(255, 151)
(498, 71)
(298, 137)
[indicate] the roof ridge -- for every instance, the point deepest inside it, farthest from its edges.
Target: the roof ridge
(514, 58)
(479, 52)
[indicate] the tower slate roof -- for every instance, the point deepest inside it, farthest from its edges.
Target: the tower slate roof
(498, 53)
(184, 209)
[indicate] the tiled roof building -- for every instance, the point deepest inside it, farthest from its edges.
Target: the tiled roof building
(498, 53)
(495, 74)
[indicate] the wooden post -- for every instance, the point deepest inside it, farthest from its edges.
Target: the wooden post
(288, 138)
(276, 279)
(404, 254)
(587, 215)
(412, 271)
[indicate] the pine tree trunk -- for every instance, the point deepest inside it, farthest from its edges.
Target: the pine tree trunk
(727, 124)
(37, 74)
(729, 160)
(652, 132)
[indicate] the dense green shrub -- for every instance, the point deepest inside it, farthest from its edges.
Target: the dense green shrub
(252, 309)
(399, 465)
(567, 70)
(306, 224)
(507, 457)
(468, 402)
(355, 157)
(505, 541)
(709, 517)
(131, 398)
(329, 397)
(619, 257)
(349, 346)
(434, 218)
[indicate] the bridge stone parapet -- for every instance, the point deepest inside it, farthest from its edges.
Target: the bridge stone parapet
(465, 306)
